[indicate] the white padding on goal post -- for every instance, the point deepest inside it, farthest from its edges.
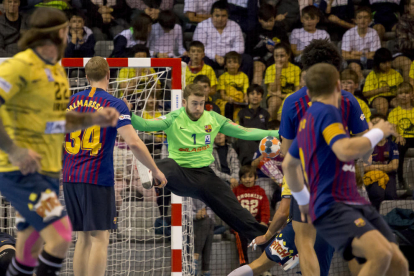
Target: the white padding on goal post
(176, 99)
(139, 62)
(85, 60)
(176, 274)
(176, 237)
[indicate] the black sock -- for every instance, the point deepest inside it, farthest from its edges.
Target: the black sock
(17, 269)
(48, 265)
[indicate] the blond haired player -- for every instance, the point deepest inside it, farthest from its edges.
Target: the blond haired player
(34, 94)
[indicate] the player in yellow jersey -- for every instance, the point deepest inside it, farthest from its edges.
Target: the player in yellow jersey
(34, 94)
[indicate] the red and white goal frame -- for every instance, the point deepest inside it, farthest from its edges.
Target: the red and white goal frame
(177, 84)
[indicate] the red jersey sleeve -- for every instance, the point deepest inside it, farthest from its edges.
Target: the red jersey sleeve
(264, 207)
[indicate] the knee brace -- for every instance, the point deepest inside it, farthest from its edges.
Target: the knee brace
(28, 259)
(65, 231)
(6, 256)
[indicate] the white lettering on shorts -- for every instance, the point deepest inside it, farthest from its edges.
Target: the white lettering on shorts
(48, 206)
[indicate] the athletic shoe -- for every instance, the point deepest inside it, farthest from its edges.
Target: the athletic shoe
(294, 261)
(267, 273)
(145, 175)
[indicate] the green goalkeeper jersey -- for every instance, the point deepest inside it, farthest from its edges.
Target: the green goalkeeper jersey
(190, 143)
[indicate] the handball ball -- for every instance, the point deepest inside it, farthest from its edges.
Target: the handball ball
(269, 147)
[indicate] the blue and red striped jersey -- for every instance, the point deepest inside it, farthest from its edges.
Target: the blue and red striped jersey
(296, 104)
(330, 180)
(88, 155)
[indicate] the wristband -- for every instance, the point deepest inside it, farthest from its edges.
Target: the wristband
(375, 135)
(302, 197)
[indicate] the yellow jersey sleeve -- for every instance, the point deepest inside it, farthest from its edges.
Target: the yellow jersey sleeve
(286, 193)
(211, 75)
(371, 82)
(270, 74)
(245, 83)
(222, 82)
(412, 70)
(14, 77)
(332, 131)
(393, 116)
(297, 72)
(365, 109)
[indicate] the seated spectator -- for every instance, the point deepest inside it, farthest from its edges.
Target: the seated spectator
(386, 13)
(289, 12)
(381, 84)
(260, 42)
(137, 34)
(360, 43)
(384, 166)
(198, 10)
(226, 164)
(340, 14)
(152, 8)
(254, 199)
(166, 38)
(300, 38)
(252, 116)
(205, 82)
(81, 41)
(282, 78)
(220, 36)
(232, 86)
(11, 24)
(404, 46)
(349, 82)
(403, 118)
(203, 225)
(196, 66)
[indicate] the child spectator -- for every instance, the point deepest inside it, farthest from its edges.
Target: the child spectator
(381, 84)
(166, 38)
(349, 82)
(203, 218)
(196, 66)
(260, 42)
(11, 23)
(403, 119)
(360, 43)
(300, 38)
(386, 13)
(254, 199)
(384, 166)
(81, 41)
(137, 34)
(282, 78)
(204, 81)
(197, 10)
(226, 164)
(232, 86)
(341, 14)
(252, 116)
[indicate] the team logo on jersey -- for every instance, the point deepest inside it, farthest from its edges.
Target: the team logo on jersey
(362, 117)
(359, 222)
(49, 75)
(124, 117)
(6, 86)
(278, 248)
(207, 139)
(162, 117)
(47, 206)
(207, 128)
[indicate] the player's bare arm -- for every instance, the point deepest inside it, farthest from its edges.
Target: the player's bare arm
(140, 151)
(286, 143)
(106, 117)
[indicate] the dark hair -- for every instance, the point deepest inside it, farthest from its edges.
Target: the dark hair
(321, 51)
(202, 79)
(139, 48)
(197, 44)
(285, 46)
(167, 20)
(44, 28)
(321, 79)
(378, 115)
(247, 169)
(140, 26)
(220, 5)
(76, 12)
(349, 74)
(312, 11)
(255, 87)
(381, 55)
(153, 4)
(266, 12)
(233, 55)
(366, 9)
(193, 89)
(405, 85)
(274, 124)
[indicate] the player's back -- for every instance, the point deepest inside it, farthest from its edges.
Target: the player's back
(88, 156)
(296, 105)
(330, 180)
(35, 94)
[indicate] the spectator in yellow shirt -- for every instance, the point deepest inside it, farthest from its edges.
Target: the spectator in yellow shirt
(282, 78)
(197, 67)
(381, 84)
(232, 86)
(403, 119)
(349, 82)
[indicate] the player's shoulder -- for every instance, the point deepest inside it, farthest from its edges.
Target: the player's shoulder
(296, 96)
(22, 59)
(319, 110)
(353, 100)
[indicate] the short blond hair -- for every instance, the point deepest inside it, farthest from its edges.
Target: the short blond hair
(96, 69)
(193, 89)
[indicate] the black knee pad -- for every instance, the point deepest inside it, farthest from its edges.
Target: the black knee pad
(6, 257)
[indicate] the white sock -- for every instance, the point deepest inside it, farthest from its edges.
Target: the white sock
(242, 271)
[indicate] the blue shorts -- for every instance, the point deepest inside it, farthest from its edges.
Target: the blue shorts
(90, 207)
(34, 196)
(342, 223)
(6, 239)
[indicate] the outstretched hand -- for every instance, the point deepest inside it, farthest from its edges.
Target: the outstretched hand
(386, 127)
(106, 117)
